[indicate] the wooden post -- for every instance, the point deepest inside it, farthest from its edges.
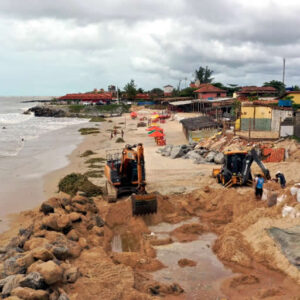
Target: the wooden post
(249, 133)
(254, 113)
(279, 127)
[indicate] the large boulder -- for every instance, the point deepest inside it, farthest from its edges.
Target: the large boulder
(33, 280)
(11, 266)
(192, 155)
(219, 158)
(166, 151)
(63, 297)
(178, 151)
(210, 156)
(199, 160)
(9, 283)
(50, 271)
(70, 275)
(41, 253)
(30, 294)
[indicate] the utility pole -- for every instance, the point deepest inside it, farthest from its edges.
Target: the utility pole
(283, 71)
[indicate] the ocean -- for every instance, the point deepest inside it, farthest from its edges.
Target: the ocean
(30, 147)
(17, 128)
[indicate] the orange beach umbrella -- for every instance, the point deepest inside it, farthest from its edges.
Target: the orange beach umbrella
(156, 134)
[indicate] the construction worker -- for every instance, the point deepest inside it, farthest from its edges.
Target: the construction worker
(122, 133)
(279, 176)
(111, 135)
(259, 183)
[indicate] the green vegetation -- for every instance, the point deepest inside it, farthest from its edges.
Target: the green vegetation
(87, 153)
(95, 160)
(91, 166)
(130, 90)
(204, 75)
(120, 140)
(75, 182)
(295, 138)
(97, 119)
(94, 174)
(89, 130)
(278, 85)
(76, 108)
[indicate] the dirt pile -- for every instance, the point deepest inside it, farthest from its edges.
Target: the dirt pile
(61, 253)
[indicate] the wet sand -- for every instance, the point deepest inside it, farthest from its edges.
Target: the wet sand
(22, 177)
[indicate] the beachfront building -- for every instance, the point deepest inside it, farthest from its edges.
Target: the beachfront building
(265, 116)
(295, 95)
(210, 92)
(168, 90)
(89, 98)
(197, 128)
(254, 91)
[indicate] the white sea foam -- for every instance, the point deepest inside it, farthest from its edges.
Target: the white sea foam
(17, 128)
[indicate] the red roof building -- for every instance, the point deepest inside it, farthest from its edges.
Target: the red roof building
(264, 91)
(207, 90)
(90, 97)
(141, 96)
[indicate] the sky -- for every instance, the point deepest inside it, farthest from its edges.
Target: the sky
(53, 47)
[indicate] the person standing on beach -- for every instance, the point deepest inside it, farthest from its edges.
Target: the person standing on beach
(122, 133)
(259, 182)
(279, 176)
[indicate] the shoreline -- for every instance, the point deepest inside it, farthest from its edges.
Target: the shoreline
(174, 180)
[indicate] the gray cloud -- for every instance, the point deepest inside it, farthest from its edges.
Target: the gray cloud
(59, 46)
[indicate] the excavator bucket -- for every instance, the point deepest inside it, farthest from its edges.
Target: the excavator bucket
(144, 204)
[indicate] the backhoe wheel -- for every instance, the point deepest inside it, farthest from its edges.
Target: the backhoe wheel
(110, 192)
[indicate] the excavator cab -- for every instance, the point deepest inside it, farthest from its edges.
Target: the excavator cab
(236, 169)
(125, 174)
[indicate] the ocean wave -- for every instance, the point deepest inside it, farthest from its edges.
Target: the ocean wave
(14, 118)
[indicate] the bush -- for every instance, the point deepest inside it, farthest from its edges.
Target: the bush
(75, 182)
(120, 140)
(95, 160)
(91, 130)
(76, 108)
(94, 174)
(97, 119)
(87, 153)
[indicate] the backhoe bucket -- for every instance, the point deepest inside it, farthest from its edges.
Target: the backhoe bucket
(144, 204)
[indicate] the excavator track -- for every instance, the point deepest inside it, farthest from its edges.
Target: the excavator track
(110, 193)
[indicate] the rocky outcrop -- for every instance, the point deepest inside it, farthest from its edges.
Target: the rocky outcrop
(43, 111)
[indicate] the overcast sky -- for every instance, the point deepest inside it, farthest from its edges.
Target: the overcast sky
(51, 47)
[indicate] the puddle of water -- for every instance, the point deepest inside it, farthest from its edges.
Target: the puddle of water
(200, 282)
(126, 242)
(163, 228)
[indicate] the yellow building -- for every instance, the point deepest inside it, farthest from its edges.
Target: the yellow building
(257, 117)
(295, 95)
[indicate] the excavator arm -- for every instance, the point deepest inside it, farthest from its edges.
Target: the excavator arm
(252, 156)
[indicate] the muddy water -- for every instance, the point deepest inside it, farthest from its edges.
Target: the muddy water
(200, 282)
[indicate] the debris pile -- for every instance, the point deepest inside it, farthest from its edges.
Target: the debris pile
(198, 155)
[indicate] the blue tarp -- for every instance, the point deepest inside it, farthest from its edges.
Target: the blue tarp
(285, 103)
(145, 103)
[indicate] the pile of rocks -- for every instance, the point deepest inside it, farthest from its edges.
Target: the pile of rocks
(199, 156)
(38, 262)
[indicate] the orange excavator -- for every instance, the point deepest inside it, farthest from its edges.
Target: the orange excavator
(125, 174)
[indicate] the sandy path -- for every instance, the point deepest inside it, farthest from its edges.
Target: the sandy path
(164, 174)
